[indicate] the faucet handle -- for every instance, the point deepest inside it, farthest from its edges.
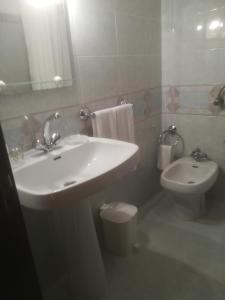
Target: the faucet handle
(196, 151)
(198, 155)
(40, 146)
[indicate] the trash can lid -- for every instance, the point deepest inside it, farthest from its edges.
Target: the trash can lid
(119, 212)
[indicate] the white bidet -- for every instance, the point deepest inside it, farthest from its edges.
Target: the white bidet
(188, 180)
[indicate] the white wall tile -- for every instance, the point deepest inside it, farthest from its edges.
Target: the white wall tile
(94, 33)
(135, 73)
(199, 54)
(99, 77)
(148, 8)
(90, 5)
(134, 35)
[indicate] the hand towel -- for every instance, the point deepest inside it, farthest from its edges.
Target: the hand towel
(115, 123)
(125, 123)
(104, 124)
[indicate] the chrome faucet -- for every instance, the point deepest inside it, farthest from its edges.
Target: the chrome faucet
(199, 156)
(220, 99)
(49, 140)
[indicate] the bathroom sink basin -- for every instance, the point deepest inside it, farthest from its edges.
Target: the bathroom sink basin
(187, 176)
(72, 172)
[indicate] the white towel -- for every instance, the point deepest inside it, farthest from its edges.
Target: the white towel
(115, 123)
(165, 156)
(125, 123)
(104, 124)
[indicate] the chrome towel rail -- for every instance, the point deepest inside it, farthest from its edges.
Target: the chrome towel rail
(86, 113)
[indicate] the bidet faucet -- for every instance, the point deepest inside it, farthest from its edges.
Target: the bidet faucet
(49, 140)
(220, 98)
(199, 156)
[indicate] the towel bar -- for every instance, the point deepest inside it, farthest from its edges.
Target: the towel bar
(86, 113)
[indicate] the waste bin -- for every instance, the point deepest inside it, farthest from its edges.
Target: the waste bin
(119, 226)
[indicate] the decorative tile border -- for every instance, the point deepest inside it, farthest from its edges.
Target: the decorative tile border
(173, 99)
(147, 103)
(185, 99)
(192, 99)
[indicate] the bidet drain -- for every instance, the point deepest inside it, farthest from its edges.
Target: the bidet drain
(69, 183)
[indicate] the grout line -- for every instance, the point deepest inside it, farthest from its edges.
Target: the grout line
(194, 114)
(192, 85)
(148, 18)
(116, 34)
(80, 81)
(118, 65)
(119, 55)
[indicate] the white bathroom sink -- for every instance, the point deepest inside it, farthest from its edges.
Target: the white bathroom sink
(72, 172)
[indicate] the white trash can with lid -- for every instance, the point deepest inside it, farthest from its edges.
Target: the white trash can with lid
(119, 226)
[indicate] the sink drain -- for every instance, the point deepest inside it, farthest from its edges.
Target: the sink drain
(191, 182)
(69, 183)
(194, 166)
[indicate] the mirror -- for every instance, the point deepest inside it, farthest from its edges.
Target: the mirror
(36, 52)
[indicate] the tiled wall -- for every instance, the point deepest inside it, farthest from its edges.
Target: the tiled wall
(193, 34)
(116, 49)
(193, 59)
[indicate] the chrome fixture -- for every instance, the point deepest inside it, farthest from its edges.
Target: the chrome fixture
(86, 113)
(220, 98)
(171, 134)
(199, 156)
(172, 130)
(122, 101)
(49, 140)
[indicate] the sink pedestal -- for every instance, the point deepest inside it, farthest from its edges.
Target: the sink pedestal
(62, 180)
(85, 265)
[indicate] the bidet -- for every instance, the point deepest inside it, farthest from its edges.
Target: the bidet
(188, 180)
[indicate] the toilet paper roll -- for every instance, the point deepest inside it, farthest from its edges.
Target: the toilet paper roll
(165, 157)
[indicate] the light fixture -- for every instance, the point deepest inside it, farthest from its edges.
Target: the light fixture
(199, 27)
(57, 78)
(215, 24)
(2, 84)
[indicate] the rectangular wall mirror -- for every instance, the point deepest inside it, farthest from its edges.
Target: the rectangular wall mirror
(36, 53)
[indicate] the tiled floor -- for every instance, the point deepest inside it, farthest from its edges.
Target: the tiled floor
(177, 260)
